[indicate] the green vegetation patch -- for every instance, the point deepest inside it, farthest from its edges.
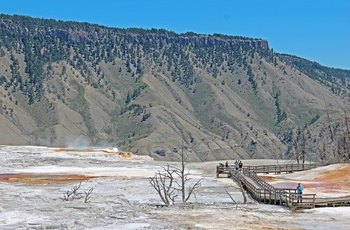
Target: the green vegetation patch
(44, 113)
(80, 100)
(130, 127)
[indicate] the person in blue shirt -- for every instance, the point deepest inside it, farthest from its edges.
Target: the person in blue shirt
(299, 189)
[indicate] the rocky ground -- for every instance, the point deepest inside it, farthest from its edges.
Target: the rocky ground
(34, 181)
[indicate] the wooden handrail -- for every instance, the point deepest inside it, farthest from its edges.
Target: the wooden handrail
(279, 168)
(265, 192)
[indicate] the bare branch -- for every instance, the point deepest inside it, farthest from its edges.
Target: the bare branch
(162, 182)
(168, 187)
(232, 198)
(73, 193)
(68, 195)
(243, 194)
(87, 195)
(191, 189)
(156, 186)
(76, 188)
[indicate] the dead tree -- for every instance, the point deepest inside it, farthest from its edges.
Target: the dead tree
(329, 124)
(71, 194)
(238, 179)
(303, 145)
(323, 151)
(74, 194)
(163, 183)
(235, 202)
(237, 176)
(243, 194)
(346, 137)
(183, 175)
(300, 146)
(173, 180)
(87, 195)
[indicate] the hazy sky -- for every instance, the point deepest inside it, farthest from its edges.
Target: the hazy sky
(318, 30)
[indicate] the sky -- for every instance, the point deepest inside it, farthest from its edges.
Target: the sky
(317, 30)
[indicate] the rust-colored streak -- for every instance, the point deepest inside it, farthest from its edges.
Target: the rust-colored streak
(38, 178)
(125, 154)
(268, 178)
(108, 150)
(328, 181)
(77, 150)
(341, 174)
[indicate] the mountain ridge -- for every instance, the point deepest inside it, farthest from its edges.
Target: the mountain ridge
(150, 91)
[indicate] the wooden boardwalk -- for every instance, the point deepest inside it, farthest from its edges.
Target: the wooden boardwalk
(266, 193)
(285, 168)
(332, 201)
(277, 169)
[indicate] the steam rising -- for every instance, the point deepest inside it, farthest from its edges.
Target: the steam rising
(77, 143)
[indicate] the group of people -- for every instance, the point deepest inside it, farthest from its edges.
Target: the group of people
(238, 165)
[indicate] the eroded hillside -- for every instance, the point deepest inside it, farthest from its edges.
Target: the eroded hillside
(150, 91)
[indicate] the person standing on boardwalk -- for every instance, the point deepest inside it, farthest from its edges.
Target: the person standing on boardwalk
(236, 165)
(240, 165)
(299, 189)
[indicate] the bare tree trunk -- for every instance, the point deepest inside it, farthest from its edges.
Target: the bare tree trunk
(184, 178)
(232, 198)
(346, 137)
(303, 147)
(329, 124)
(296, 152)
(182, 173)
(300, 147)
(168, 187)
(243, 194)
(322, 152)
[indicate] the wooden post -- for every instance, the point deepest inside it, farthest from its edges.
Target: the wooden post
(314, 200)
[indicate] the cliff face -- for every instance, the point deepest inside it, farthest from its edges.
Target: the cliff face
(82, 32)
(150, 91)
(203, 40)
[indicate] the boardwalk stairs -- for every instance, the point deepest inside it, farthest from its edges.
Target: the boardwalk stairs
(265, 193)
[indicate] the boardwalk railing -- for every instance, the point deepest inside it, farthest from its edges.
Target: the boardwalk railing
(302, 201)
(333, 201)
(283, 168)
(265, 192)
(286, 168)
(223, 170)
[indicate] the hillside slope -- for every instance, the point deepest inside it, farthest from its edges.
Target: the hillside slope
(150, 91)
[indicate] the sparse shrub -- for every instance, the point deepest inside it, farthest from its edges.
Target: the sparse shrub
(73, 194)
